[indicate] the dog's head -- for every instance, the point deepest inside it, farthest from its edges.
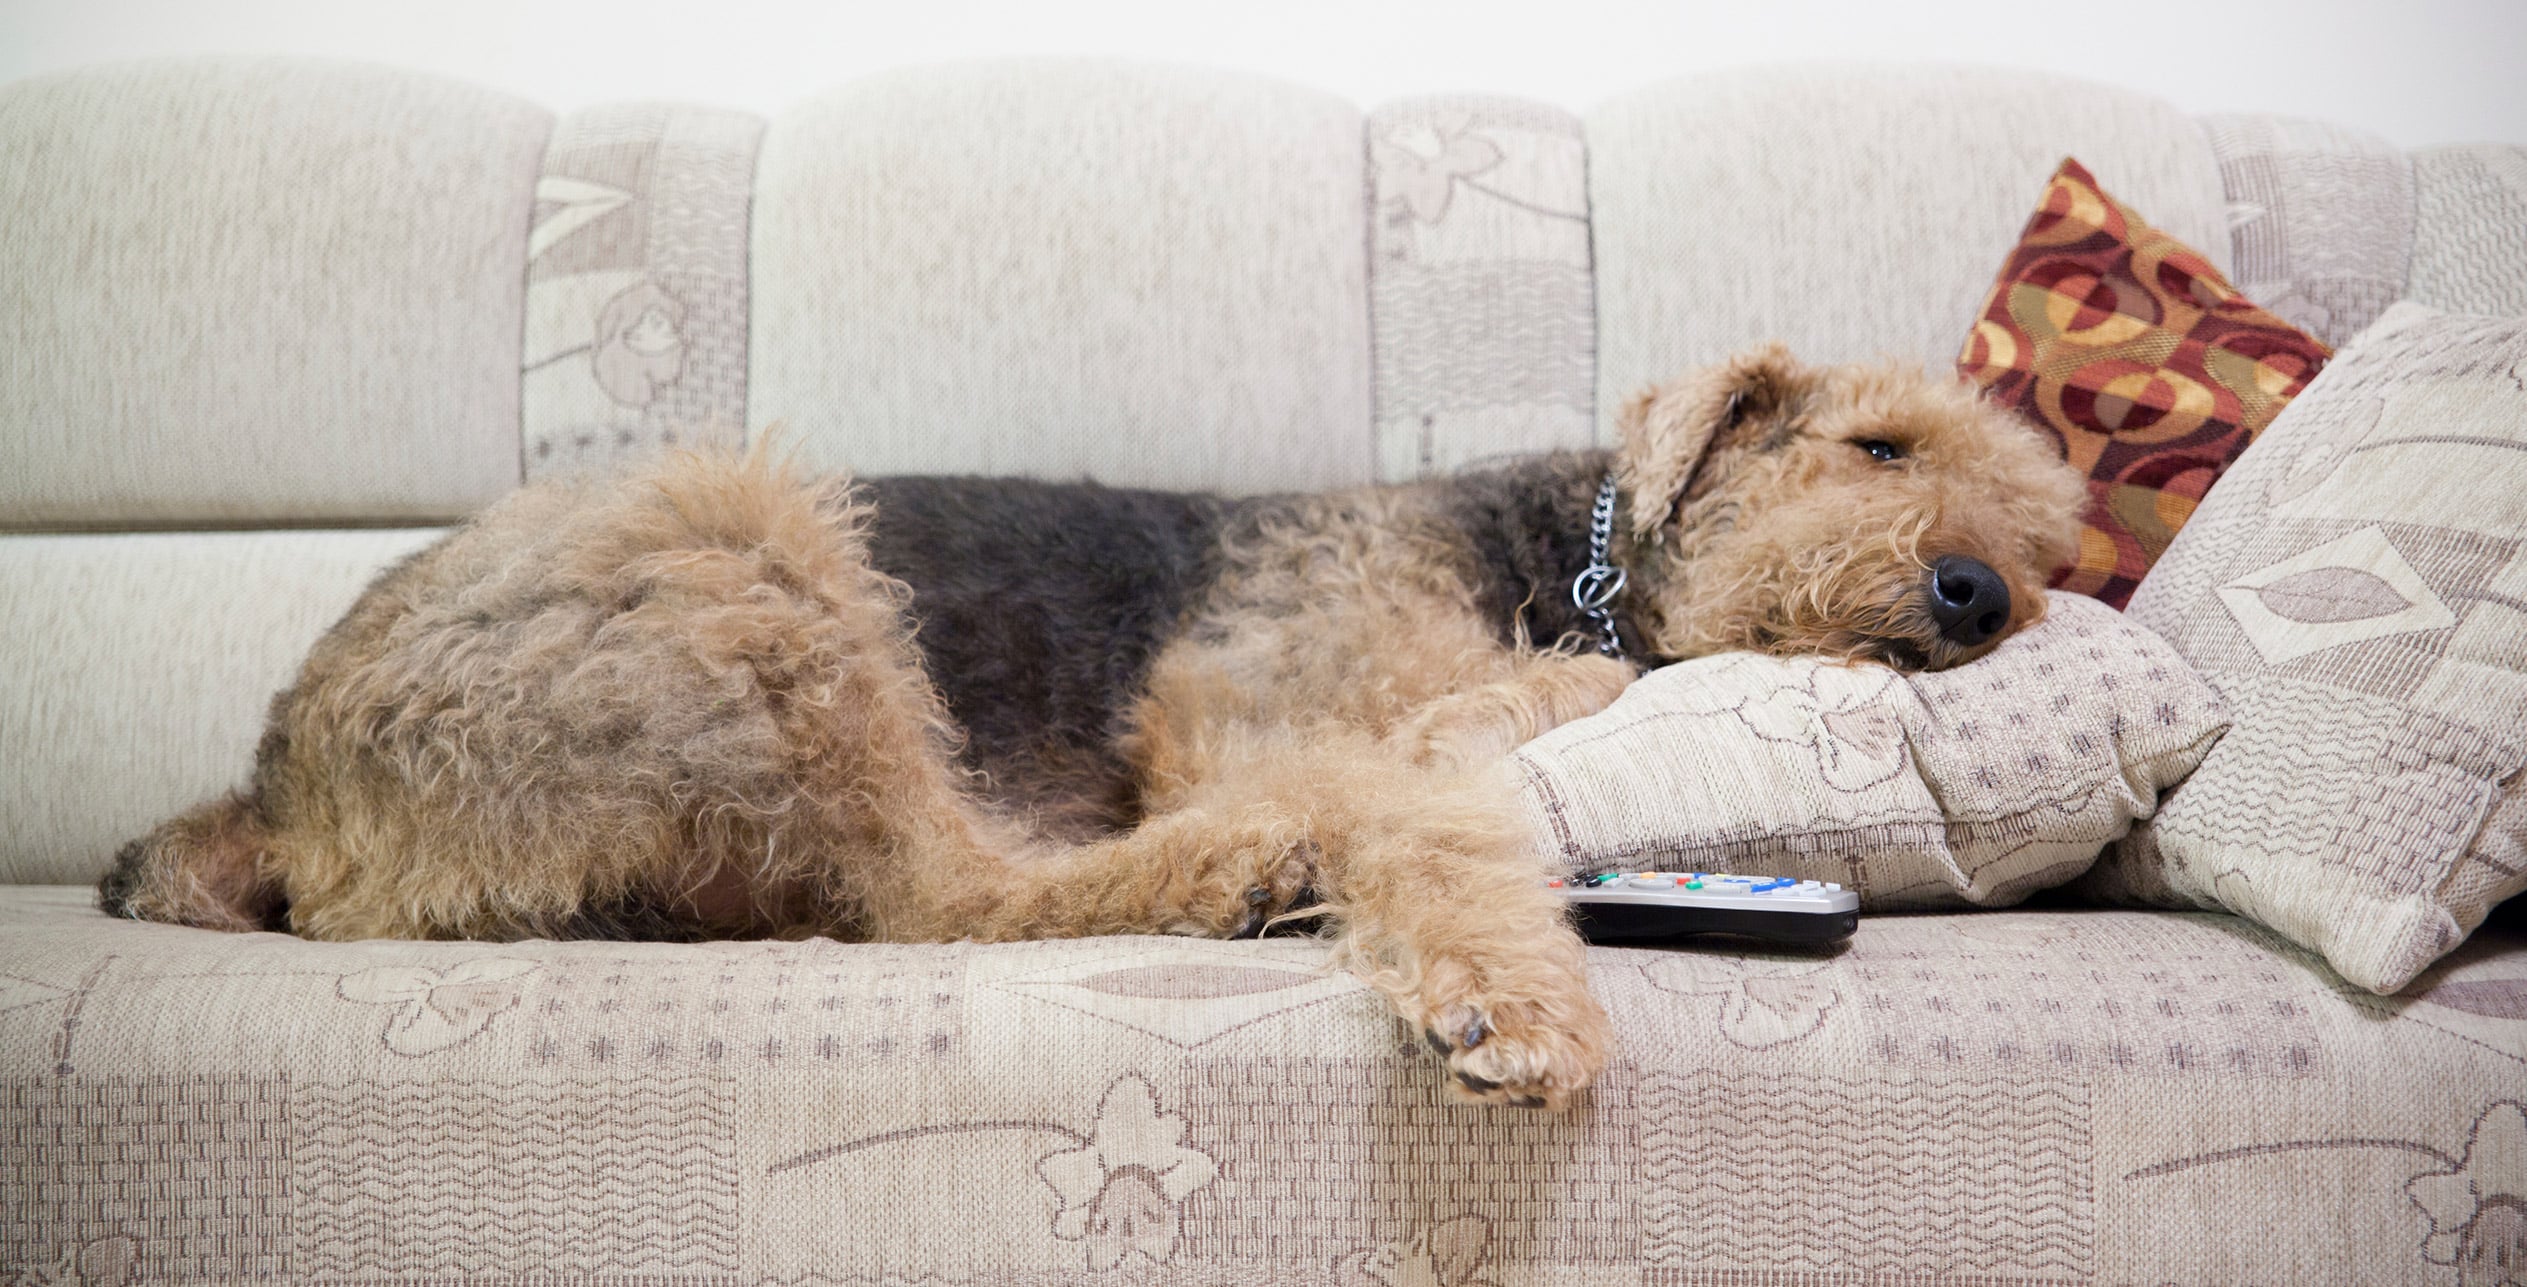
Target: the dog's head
(1856, 512)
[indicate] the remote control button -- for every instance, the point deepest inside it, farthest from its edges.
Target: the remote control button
(1693, 884)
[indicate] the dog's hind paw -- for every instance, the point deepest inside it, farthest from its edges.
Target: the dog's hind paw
(1265, 903)
(1529, 1053)
(1240, 892)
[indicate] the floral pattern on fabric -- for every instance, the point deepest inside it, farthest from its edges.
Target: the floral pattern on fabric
(1123, 1192)
(1451, 1253)
(1765, 1001)
(2140, 359)
(2478, 1206)
(437, 1009)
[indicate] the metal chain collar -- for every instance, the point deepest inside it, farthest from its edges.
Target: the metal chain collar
(1599, 584)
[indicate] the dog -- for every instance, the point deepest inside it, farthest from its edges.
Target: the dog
(727, 699)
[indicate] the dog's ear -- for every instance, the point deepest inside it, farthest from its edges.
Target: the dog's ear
(1669, 431)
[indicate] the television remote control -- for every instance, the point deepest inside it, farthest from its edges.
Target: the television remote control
(1648, 906)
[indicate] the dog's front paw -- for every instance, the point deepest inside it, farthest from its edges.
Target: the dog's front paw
(1534, 1051)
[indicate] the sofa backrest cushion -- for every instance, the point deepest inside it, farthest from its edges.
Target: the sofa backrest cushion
(2320, 220)
(254, 290)
(1853, 213)
(283, 294)
(139, 665)
(1154, 277)
(2470, 229)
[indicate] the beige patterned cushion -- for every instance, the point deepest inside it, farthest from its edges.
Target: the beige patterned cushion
(2356, 589)
(2003, 1097)
(1976, 786)
(1484, 314)
(2320, 219)
(2470, 229)
(636, 285)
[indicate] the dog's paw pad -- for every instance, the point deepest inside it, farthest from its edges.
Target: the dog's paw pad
(1472, 1033)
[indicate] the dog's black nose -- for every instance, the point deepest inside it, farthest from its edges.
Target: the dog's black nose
(1968, 600)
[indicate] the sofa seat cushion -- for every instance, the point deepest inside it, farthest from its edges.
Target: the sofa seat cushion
(2067, 1096)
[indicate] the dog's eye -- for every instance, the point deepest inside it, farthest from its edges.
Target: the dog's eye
(1880, 449)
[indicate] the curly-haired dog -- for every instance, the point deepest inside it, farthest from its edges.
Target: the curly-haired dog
(720, 699)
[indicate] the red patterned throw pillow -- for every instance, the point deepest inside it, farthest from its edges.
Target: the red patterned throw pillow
(2141, 359)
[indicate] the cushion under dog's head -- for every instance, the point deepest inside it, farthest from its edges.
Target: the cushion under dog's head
(1866, 512)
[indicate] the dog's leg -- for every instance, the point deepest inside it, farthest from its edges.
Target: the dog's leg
(1482, 724)
(1207, 872)
(1437, 895)
(1443, 909)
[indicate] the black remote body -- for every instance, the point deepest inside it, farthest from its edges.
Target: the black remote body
(1657, 906)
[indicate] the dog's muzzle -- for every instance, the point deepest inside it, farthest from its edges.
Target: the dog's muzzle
(1968, 600)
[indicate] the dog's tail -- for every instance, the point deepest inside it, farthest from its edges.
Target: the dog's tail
(208, 866)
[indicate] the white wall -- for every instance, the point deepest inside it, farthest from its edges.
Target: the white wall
(2417, 72)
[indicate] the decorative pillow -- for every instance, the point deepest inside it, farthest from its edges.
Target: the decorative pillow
(2357, 590)
(2141, 359)
(1977, 785)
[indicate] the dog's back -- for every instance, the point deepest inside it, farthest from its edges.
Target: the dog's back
(1037, 608)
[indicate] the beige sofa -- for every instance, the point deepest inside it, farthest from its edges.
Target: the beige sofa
(266, 326)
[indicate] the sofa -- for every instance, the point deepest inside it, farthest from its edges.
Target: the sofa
(267, 326)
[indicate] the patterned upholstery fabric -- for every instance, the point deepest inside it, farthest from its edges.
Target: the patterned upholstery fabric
(2357, 590)
(308, 296)
(2145, 365)
(2320, 220)
(1972, 786)
(636, 286)
(2001, 1097)
(2470, 229)
(1482, 307)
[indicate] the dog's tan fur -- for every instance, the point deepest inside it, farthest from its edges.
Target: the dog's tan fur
(694, 689)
